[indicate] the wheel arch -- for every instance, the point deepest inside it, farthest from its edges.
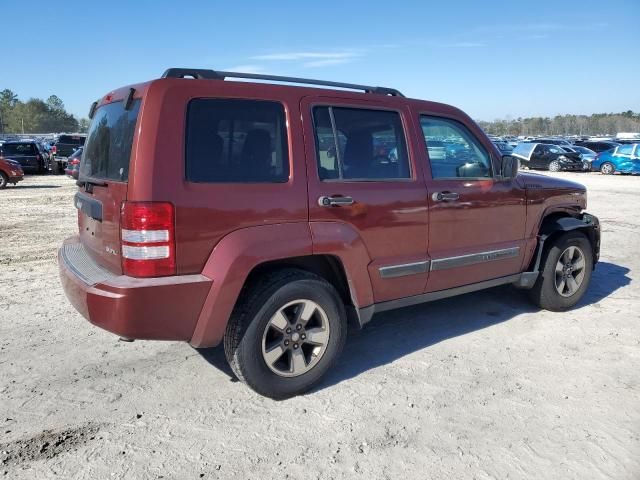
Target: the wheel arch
(559, 222)
(244, 254)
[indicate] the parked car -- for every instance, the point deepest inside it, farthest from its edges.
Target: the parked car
(63, 148)
(27, 154)
(10, 172)
(622, 159)
(597, 146)
(271, 247)
(504, 147)
(547, 157)
(73, 164)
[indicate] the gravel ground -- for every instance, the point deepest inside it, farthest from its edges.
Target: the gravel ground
(480, 386)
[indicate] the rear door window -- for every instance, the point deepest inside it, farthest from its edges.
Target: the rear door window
(236, 141)
(108, 147)
(360, 144)
(625, 150)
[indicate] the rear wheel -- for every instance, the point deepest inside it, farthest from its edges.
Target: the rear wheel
(607, 168)
(566, 273)
(285, 333)
(554, 166)
(3, 180)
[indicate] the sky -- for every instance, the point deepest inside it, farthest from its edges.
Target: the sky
(492, 59)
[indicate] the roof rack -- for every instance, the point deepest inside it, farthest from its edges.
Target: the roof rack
(201, 74)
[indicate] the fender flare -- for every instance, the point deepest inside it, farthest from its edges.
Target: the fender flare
(585, 221)
(239, 252)
(229, 265)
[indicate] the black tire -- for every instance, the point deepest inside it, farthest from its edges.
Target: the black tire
(3, 180)
(607, 168)
(554, 166)
(544, 293)
(257, 304)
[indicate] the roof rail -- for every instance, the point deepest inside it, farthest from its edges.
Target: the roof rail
(201, 74)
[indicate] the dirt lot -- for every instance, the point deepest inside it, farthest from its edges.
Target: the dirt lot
(480, 386)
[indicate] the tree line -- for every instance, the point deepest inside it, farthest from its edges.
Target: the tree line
(36, 115)
(49, 116)
(596, 124)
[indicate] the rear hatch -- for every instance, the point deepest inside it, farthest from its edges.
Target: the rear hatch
(103, 180)
(67, 144)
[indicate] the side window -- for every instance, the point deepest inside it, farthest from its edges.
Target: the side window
(236, 141)
(554, 149)
(540, 149)
(453, 150)
(359, 144)
(625, 149)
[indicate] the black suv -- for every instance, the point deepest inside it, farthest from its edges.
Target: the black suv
(598, 147)
(63, 148)
(28, 153)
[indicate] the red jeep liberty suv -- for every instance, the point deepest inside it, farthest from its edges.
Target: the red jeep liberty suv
(266, 215)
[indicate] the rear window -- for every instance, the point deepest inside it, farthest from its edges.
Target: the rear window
(71, 139)
(19, 149)
(236, 141)
(108, 147)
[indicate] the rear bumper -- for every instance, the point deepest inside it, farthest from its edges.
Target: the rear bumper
(165, 308)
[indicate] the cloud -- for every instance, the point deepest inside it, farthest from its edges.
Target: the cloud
(247, 68)
(326, 62)
(464, 45)
(538, 36)
(311, 59)
(291, 56)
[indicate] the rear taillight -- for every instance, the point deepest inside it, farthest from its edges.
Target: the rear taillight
(147, 232)
(54, 149)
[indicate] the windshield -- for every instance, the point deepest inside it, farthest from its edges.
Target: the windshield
(584, 150)
(108, 147)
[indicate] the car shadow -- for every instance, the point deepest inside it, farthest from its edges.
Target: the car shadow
(24, 187)
(395, 334)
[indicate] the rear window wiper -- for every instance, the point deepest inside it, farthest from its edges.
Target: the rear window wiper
(95, 183)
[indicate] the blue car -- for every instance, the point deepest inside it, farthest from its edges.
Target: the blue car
(623, 159)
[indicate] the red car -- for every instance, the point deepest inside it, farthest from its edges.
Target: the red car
(263, 216)
(10, 172)
(73, 164)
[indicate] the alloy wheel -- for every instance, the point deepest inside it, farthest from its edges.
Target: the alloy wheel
(295, 338)
(606, 168)
(570, 271)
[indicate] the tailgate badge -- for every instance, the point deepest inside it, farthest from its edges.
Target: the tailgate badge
(110, 250)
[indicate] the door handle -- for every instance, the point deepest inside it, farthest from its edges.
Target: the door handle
(445, 196)
(335, 201)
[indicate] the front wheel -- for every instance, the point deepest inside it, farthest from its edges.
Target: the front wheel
(554, 166)
(607, 168)
(3, 180)
(287, 330)
(566, 273)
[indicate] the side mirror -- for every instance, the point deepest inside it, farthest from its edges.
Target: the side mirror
(510, 166)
